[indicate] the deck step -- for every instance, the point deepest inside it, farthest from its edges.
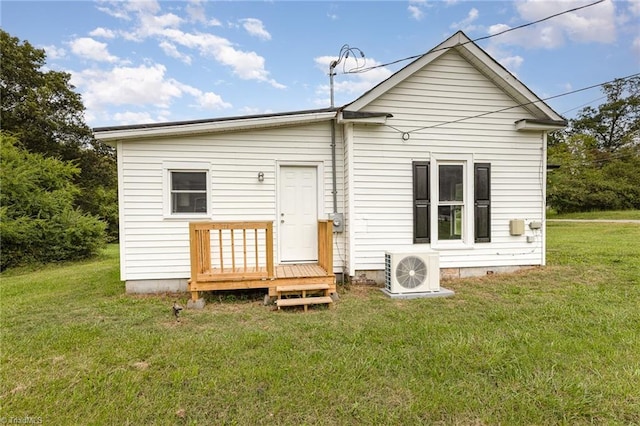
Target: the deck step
(301, 287)
(304, 301)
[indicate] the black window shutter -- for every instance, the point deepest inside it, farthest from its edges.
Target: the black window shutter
(421, 202)
(482, 202)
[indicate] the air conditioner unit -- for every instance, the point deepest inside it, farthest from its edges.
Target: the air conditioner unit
(407, 272)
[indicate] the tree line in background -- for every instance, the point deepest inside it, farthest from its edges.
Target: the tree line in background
(59, 184)
(598, 154)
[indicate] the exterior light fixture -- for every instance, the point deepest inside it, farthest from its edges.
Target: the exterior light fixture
(260, 177)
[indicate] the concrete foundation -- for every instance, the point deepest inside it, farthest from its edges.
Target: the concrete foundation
(196, 304)
(371, 277)
(156, 286)
(444, 292)
(376, 277)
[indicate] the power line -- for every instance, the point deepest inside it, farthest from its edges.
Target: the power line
(584, 104)
(514, 106)
(528, 24)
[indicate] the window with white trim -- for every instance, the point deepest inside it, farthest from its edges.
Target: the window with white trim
(186, 189)
(451, 201)
(442, 197)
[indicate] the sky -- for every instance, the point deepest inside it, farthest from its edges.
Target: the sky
(149, 61)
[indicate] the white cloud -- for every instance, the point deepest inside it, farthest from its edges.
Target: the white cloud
(165, 28)
(465, 24)
(151, 26)
(142, 85)
(634, 7)
(210, 100)
(123, 9)
(416, 12)
(497, 28)
(593, 24)
(170, 49)
(145, 85)
(89, 48)
(196, 12)
(416, 8)
(130, 117)
(255, 27)
(512, 63)
(635, 46)
(54, 52)
(102, 32)
(245, 65)
(508, 60)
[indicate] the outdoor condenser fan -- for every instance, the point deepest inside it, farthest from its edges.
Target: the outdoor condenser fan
(411, 272)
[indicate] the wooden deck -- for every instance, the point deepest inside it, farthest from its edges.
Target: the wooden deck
(240, 256)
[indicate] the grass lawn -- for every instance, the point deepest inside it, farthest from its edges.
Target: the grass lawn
(557, 345)
(608, 215)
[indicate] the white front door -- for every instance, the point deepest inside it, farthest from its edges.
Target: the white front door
(298, 191)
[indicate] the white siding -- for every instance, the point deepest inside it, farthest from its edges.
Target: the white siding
(446, 90)
(157, 247)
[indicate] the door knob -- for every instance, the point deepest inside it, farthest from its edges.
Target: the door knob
(282, 221)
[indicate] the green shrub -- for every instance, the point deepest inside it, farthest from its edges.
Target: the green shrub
(38, 222)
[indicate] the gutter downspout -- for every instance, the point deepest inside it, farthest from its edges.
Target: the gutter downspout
(334, 178)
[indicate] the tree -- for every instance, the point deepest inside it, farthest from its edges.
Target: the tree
(41, 109)
(599, 154)
(616, 123)
(38, 222)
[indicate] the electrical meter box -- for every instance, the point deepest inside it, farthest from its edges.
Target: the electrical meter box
(338, 222)
(516, 227)
(535, 225)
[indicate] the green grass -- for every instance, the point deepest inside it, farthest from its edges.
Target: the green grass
(606, 215)
(554, 345)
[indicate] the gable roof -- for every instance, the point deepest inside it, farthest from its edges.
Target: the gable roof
(484, 63)
(545, 117)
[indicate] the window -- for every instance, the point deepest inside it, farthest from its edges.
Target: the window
(186, 189)
(188, 192)
(450, 201)
(447, 220)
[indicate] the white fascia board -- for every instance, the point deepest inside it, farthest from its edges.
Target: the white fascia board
(532, 125)
(112, 136)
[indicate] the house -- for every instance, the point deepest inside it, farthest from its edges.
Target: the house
(446, 155)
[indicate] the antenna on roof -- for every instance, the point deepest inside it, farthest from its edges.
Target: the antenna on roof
(344, 54)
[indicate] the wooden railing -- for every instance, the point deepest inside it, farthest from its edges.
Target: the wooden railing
(241, 251)
(224, 254)
(325, 245)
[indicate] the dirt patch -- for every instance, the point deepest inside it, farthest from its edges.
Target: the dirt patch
(141, 365)
(359, 291)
